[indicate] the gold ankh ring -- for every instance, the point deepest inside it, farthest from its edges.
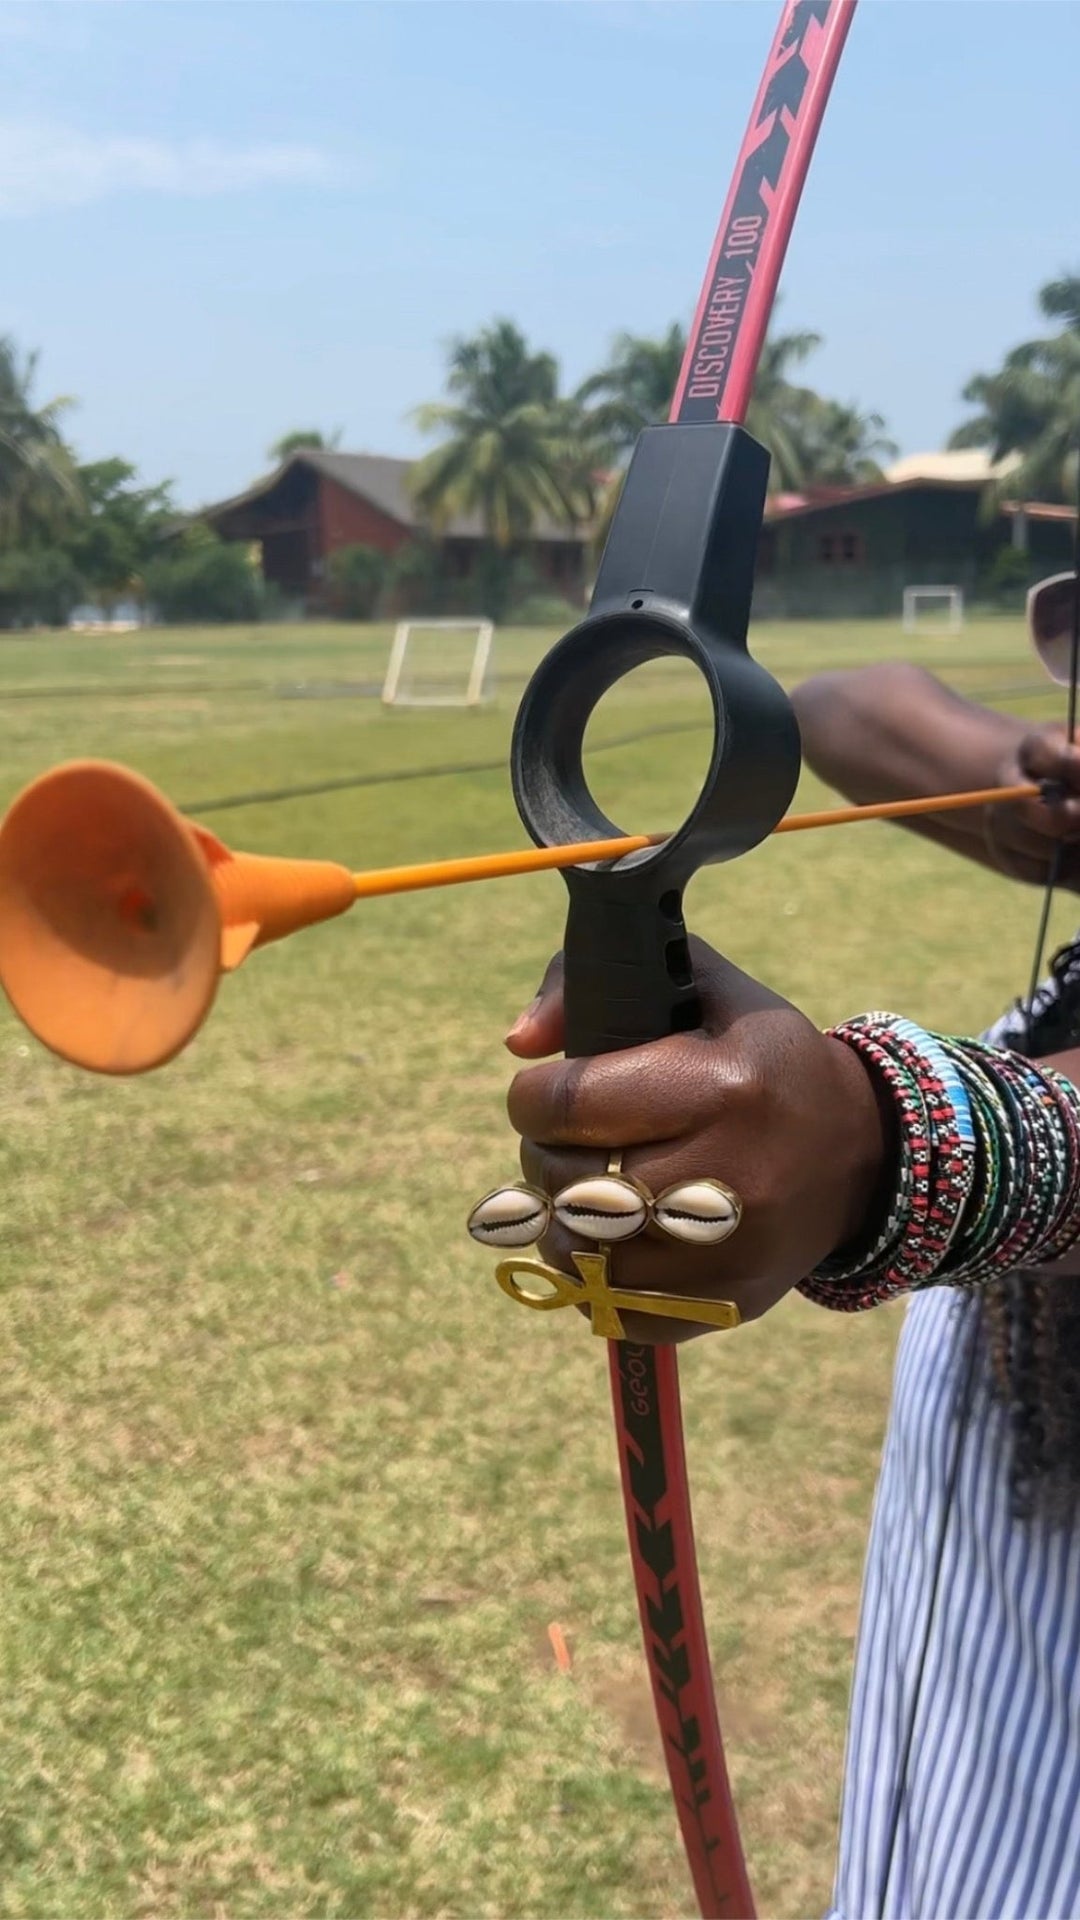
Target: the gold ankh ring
(594, 1290)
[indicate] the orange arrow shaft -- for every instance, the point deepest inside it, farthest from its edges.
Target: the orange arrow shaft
(903, 809)
(502, 866)
(496, 866)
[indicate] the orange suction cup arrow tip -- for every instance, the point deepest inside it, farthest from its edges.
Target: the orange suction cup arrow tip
(262, 898)
(110, 934)
(117, 915)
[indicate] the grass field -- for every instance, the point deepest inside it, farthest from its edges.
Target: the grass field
(291, 1491)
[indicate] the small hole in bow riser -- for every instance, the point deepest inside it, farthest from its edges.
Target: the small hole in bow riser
(677, 961)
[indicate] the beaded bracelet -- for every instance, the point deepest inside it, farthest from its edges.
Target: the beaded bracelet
(987, 1175)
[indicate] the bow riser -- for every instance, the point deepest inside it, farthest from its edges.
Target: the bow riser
(676, 579)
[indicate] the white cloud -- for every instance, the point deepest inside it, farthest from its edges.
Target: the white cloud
(44, 165)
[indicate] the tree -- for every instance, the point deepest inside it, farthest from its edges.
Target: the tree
(357, 575)
(300, 438)
(203, 578)
(416, 579)
(636, 387)
(1031, 406)
(39, 587)
(810, 439)
(120, 531)
(512, 449)
(38, 485)
(837, 445)
(634, 390)
(778, 411)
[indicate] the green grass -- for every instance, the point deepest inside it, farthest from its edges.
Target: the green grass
(291, 1491)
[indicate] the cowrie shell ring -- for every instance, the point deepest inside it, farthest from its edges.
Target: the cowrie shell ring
(701, 1213)
(605, 1206)
(608, 1207)
(510, 1217)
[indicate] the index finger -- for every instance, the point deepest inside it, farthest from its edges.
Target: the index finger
(626, 1099)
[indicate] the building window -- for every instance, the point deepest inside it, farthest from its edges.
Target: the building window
(766, 553)
(840, 549)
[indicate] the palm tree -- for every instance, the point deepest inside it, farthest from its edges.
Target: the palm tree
(511, 450)
(303, 437)
(634, 390)
(809, 439)
(1031, 406)
(778, 410)
(38, 484)
(838, 445)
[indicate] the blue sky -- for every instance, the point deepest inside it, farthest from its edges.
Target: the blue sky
(219, 221)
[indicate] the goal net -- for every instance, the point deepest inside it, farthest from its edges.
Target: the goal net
(440, 663)
(947, 604)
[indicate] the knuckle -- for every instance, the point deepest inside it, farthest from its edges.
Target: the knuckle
(539, 1102)
(572, 1114)
(566, 1098)
(743, 1092)
(545, 1102)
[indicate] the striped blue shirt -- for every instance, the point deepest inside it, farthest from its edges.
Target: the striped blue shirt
(962, 1780)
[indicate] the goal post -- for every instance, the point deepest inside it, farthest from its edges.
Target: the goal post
(953, 609)
(460, 674)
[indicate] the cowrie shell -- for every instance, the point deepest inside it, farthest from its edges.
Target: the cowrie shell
(701, 1212)
(606, 1207)
(510, 1217)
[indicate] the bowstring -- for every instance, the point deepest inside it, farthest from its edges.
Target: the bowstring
(1053, 871)
(1051, 791)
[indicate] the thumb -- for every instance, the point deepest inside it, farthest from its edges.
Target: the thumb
(539, 1031)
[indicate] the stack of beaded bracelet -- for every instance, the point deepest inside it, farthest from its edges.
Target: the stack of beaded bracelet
(988, 1167)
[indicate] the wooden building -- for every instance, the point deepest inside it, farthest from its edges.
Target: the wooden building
(318, 501)
(837, 551)
(827, 553)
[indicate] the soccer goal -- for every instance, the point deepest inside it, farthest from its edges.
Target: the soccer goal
(440, 663)
(951, 615)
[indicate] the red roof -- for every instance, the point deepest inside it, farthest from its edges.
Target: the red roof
(788, 506)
